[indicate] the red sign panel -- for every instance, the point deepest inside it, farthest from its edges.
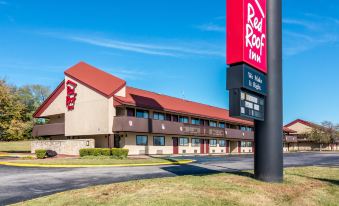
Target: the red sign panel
(71, 95)
(246, 33)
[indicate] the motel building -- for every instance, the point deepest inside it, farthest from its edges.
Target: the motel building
(92, 104)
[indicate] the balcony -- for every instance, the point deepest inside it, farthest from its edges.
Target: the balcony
(133, 124)
(288, 138)
(48, 130)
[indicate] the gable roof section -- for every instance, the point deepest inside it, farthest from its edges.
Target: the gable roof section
(96, 79)
(307, 123)
(151, 100)
(49, 100)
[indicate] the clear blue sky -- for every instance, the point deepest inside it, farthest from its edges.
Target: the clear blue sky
(176, 47)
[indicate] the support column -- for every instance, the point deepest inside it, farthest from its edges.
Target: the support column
(268, 164)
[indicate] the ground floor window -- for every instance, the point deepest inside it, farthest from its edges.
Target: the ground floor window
(213, 142)
(158, 141)
(222, 143)
(195, 142)
(183, 141)
(246, 144)
(141, 139)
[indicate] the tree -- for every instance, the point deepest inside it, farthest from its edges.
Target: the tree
(17, 105)
(327, 133)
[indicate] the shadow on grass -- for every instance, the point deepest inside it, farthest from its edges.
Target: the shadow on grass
(331, 181)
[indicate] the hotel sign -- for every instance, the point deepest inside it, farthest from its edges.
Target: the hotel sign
(243, 76)
(245, 104)
(246, 33)
(71, 94)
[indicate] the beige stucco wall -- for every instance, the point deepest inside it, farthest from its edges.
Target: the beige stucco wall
(57, 106)
(129, 142)
(300, 128)
(121, 92)
(92, 115)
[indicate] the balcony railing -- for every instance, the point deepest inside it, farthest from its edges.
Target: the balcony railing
(48, 130)
(133, 124)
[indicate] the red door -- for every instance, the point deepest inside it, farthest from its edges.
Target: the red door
(207, 143)
(202, 146)
(175, 145)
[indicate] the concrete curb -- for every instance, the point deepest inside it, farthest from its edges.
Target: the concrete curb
(15, 155)
(180, 162)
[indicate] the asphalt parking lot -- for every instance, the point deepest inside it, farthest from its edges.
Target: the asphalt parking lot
(22, 183)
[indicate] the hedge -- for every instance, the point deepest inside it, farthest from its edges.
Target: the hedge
(119, 153)
(115, 152)
(41, 153)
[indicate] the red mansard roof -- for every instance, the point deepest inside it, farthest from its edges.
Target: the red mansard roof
(151, 100)
(96, 79)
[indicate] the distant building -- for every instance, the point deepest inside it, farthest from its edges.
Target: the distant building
(302, 128)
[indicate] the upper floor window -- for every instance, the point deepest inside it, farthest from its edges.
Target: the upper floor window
(213, 142)
(195, 121)
(142, 113)
(183, 119)
(141, 140)
(221, 125)
(175, 118)
(168, 117)
(158, 116)
(130, 112)
(213, 124)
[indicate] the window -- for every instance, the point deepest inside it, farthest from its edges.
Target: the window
(222, 143)
(175, 118)
(221, 125)
(130, 112)
(168, 117)
(195, 121)
(183, 141)
(142, 113)
(141, 140)
(249, 144)
(158, 116)
(195, 142)
(158, 141)
(183, 119)
(213, 124)
(243, 144)
(213, 142)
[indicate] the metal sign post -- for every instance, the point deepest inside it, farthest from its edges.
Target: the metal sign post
(254, 78)
(268, 158)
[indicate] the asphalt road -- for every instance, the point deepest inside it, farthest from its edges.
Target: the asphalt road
(22, 183)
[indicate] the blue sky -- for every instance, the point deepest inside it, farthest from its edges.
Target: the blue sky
(175, 47)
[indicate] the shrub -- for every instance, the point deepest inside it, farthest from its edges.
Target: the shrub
(41, 153)
(119, 153)
(106, 152)
(84, 152)
(51, 153)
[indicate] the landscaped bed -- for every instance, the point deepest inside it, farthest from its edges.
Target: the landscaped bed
(302, 186)
(96, 160)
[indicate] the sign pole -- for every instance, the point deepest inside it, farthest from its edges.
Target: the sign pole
(268, 158)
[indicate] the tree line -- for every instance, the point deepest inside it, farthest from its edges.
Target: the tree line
(326, 133)
(17, 106)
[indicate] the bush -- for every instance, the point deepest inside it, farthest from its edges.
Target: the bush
(119, 153)
(106, 152)
(41, 153)
(51, 153)
(95, 152)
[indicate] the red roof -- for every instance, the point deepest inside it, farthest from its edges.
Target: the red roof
(307, 123)
(96, 79)
(151, 100)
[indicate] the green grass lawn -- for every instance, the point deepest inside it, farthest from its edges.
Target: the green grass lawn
(15, 146)
(302, 186)
(93, 161)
